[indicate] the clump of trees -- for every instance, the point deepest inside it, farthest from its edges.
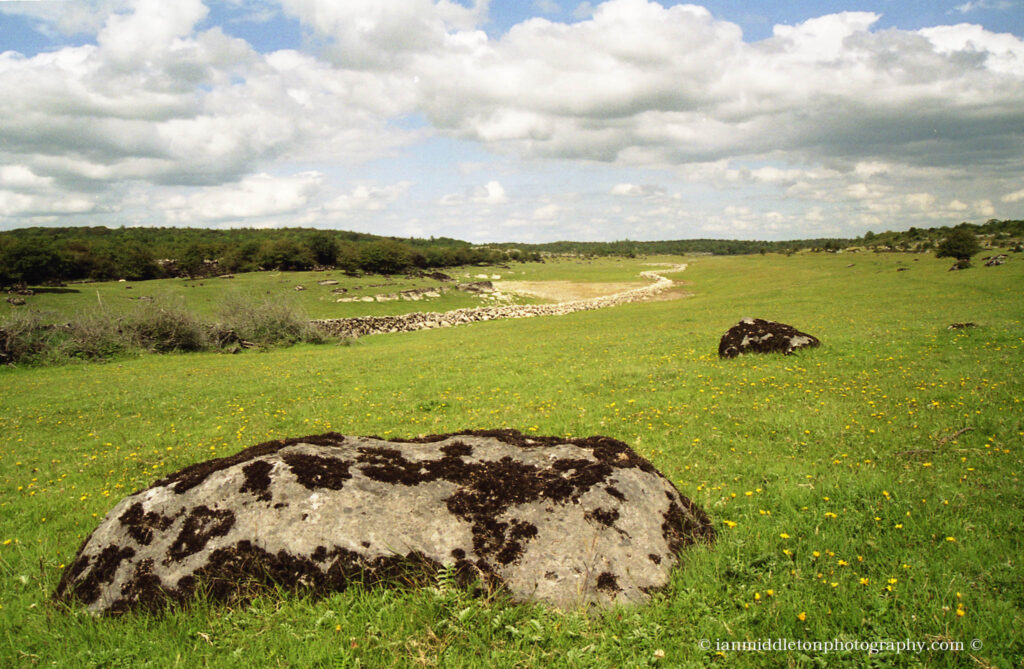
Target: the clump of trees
(961, 244)
(35, 256)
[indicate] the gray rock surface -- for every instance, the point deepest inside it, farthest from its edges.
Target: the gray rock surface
(756, 335)
(561, 521)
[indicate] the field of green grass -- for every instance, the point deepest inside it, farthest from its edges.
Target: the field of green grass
(205, 297)
(846, 508)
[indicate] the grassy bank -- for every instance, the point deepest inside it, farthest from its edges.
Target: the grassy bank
(845, 507)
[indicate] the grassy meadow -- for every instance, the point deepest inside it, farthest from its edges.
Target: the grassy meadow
(206, 297)
(868, 490)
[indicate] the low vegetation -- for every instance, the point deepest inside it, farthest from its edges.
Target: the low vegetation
(32, 338)
(865, 491)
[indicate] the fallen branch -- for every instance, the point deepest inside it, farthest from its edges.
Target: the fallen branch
(956, 434)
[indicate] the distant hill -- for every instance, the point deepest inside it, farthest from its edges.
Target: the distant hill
(913, 240)
(41, 254)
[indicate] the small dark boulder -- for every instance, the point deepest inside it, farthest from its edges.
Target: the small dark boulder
(756, 335)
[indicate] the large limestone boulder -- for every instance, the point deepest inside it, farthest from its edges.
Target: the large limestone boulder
(756, 335)
(561, 521)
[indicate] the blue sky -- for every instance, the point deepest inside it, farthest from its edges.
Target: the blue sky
(530, 121)
(28, 35)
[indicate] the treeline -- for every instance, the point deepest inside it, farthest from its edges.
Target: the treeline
(40, 255)
(914, 239)
(35, 256)
(993, 232)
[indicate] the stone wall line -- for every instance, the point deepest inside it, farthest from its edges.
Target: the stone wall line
(361, 326)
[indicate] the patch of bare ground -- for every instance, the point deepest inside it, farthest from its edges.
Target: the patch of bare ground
(676, 292)
(565, 291)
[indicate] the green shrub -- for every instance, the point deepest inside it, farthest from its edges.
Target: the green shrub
(163, 329)
(30, 337)
(960, 244)
(24, 335)
(263, 323)
(91, 335)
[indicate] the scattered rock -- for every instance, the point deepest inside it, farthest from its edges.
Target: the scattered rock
(995, 261)
(300, 288)
(477, 286)
(961, 326)
(327, 282)
(16, 301)
(756, 335)
(361, 326)
(226, 276)
(960, 264)
(561, 521)
(436, 276)
(902, 269)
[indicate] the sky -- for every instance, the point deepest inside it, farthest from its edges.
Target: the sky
(501, 120)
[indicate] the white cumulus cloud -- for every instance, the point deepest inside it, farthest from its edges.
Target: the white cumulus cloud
(256, 196)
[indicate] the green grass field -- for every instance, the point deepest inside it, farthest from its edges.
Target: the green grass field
(845, 508)
(206, 296)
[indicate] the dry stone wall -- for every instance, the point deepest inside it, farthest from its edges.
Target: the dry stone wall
(361, 326)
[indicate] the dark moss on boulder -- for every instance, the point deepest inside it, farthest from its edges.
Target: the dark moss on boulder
(756, 335)
(562, 521)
